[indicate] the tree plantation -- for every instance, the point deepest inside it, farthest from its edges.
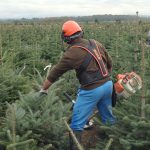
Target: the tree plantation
(32, 122)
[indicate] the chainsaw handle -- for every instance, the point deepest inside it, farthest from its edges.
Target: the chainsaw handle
(67, 96)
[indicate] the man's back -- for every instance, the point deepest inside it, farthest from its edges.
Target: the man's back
(74, 57)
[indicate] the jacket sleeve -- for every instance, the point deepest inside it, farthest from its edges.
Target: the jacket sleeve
(71, 60)
(60, 68)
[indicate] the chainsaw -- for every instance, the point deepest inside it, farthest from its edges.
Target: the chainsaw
(127, 84)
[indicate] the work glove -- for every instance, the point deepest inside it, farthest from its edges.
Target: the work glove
(43, 92)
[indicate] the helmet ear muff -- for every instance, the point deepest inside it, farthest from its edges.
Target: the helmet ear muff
(68, 39)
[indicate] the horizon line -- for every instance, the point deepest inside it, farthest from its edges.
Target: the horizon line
(30, 18)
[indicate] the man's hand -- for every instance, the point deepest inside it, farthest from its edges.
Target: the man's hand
(44, 89)
(46, 85)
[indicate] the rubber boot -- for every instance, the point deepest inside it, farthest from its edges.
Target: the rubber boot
(78, 135)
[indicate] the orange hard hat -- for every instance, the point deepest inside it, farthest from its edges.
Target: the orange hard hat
(70, 27)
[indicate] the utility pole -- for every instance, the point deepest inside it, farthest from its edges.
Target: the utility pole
(137, 13)
(148, 43)
(1, 51)
(136, 40)
(143, 80)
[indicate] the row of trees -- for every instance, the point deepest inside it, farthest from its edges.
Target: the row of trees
(28, 121)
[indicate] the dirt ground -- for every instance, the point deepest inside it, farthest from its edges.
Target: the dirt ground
(92, 136)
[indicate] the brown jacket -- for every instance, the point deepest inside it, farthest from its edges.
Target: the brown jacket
(74, 57)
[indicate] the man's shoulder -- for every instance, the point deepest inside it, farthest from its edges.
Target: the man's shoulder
(77, 46)
(76, 50)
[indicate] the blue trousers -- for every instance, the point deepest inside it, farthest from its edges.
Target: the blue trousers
(88, 100)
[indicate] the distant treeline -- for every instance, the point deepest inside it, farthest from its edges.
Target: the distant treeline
(93, 18)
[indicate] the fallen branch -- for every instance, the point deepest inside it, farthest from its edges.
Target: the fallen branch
(108, 144)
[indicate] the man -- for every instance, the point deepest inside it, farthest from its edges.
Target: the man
(93, 67)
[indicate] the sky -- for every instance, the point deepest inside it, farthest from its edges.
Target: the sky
(10, 9)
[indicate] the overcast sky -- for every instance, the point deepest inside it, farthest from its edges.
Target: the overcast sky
(53, 8)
